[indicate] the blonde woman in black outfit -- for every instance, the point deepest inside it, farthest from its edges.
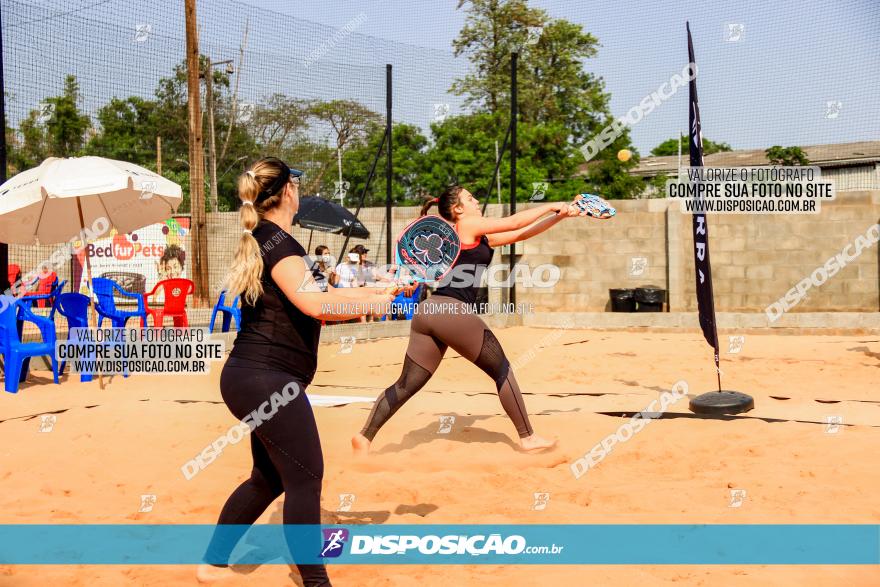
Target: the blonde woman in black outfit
(281, 314)
(436, 327)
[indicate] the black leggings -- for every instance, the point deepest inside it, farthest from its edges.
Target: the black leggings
(287, 458)
(443, 322)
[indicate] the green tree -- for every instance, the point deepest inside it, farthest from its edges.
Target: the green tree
(786, 156)
(408, 167)
(553, 85)
(67, 126)
(610, 177)
(33, 147)
(346, 124)
(350, 121)
(278, 123)
(670, 147)
(171, 122)
(236, 146)
(127, 131)
(463, 152)
(493, 29)
(554, 90)
(56, 129)
(15, 159)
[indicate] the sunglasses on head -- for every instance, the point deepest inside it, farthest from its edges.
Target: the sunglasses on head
(294, 176)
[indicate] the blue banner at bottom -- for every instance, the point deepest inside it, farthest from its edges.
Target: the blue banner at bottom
(667, 544)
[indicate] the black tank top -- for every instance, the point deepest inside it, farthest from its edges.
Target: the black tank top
(274, 332)
(468, 269)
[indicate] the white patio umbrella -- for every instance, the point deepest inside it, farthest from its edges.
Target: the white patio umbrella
(54, 202)
(58, 200)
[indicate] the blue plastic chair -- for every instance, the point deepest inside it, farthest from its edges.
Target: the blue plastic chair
(75, 309)
(57, 288)
(106, 306)
(229, 312)
(17, 354)
(405, 305)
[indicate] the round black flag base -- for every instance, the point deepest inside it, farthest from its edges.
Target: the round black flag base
(721, 402)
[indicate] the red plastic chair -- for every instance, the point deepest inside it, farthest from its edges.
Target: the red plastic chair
(45, 285)
(174, 306)
(13, 272)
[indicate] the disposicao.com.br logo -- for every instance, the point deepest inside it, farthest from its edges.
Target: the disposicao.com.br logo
(427, 545)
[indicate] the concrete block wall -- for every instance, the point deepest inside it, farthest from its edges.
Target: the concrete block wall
(756, 259)
(597, 255)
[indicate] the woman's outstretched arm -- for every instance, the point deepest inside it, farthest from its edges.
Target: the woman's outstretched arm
(295, 280)
(515, 236)
(472, 228)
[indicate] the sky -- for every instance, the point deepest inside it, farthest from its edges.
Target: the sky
(772, 86)
(799, 72)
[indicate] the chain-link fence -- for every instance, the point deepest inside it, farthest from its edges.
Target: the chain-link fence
(110, 79)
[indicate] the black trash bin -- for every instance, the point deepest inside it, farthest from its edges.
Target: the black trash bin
(650, 298)
(622, 300)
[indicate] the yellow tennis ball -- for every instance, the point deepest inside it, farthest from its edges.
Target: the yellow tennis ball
(624, 155)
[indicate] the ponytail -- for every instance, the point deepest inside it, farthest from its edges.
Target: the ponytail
(244, 276)
(445, 203)
(427, 206)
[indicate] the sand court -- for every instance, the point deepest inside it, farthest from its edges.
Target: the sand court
(802, 456)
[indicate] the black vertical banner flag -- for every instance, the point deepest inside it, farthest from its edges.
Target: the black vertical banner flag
(705, 297)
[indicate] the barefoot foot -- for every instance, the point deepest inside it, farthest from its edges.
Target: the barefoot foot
(209, 573)
(535, 443)
(360, 444)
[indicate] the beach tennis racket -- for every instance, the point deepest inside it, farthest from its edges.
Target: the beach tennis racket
(594, 206)
(427, 249)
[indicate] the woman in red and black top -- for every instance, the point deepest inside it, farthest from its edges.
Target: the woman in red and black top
(446, 320)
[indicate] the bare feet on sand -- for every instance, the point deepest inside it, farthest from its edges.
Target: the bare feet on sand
(360, 444)
(535, 443)
(210, 574)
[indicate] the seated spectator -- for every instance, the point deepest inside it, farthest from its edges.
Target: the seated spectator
(322, 267)
(368, 274)
(348, 273)
(366, 270)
